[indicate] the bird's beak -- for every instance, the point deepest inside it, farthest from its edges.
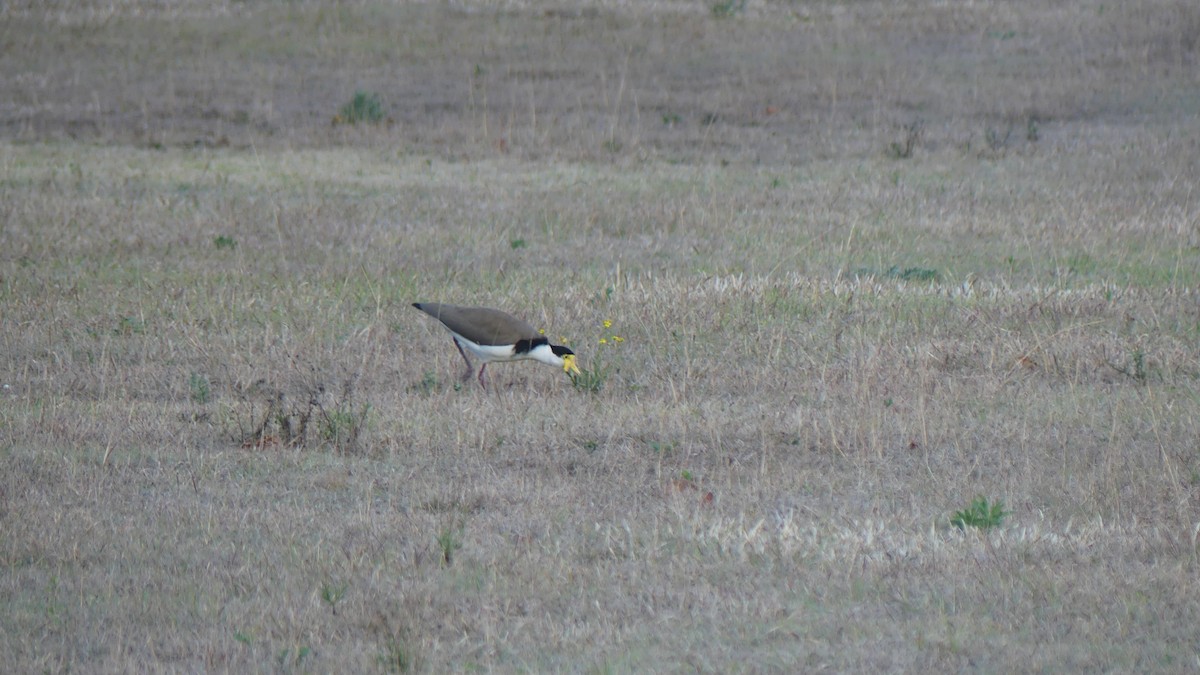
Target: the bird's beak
(569, 366)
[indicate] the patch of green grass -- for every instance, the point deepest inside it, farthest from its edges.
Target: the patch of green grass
(1138, 358)
(224, 242)
(292, 658)
(428, 383)
(662, 448)
(201, 390)
(901, 273)
(332, 594)
(1136, 367)
(364, 107)
(590, 379)
(449, 541)
(129, 325)
(727, 8)
(1081, 263)
(343, 426)
(397, 657)
(980, 514)
(1032, 131)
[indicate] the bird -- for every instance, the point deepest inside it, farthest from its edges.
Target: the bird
(493, 335)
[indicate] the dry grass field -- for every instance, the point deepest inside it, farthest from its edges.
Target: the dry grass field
(870, 262)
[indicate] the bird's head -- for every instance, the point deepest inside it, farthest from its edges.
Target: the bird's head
(568, 359)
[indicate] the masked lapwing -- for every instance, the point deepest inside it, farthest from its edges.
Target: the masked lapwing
(492, 335)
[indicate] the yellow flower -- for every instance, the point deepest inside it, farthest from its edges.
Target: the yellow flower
(617, 338)
(607, 323)
(603, 341)
(541, 331)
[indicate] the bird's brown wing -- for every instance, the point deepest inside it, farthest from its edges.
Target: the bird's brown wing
(481, 325)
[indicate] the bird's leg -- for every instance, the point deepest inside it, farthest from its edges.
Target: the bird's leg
(481, 382)
(470, 368)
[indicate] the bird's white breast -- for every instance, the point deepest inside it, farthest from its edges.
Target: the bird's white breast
(489, 353)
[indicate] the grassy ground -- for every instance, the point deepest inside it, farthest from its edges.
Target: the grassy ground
(869, 262)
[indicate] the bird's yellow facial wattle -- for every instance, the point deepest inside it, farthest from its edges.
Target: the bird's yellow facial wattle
(569, 366)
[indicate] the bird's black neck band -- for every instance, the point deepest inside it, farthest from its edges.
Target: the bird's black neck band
(526, 346)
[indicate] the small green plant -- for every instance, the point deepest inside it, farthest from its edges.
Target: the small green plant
(1136, 368)
(396, 658)
(1081, 263)
(1139, 365)
(342, 426)
(428, 383)
(901, 273)
(332, 594)
(1032, 134)
(592, 379)
(914, 274)
(663, 448)
(727, 8)
(201, 391)
(130, 325)
(671, 119)
(449, 540)
(221, 241)
(336, 425)
(981, 515)
(285, 656)
(516, 243)
(364, 107)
